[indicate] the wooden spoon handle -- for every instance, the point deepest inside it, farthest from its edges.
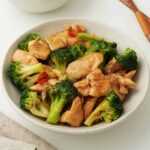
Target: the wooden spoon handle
(141, 19)
(129, 6)
(144, 24)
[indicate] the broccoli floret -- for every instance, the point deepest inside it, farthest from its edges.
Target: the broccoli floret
(108, 49)
(61, 94)
(29, 100)
(62, 57)
(109, 109)
(128, 59)
(19, 74)
(23, 45)
(77, 51)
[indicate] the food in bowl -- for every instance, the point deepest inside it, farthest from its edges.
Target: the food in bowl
(72, 77)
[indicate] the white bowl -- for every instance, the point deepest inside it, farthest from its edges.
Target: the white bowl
(109, 32)
(38, 5)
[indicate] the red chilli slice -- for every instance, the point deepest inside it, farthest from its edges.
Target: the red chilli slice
(71, 32)
(42, 78)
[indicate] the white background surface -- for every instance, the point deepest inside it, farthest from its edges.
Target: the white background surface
(133, 133)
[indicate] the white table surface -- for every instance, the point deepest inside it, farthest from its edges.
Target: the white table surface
(133, 133)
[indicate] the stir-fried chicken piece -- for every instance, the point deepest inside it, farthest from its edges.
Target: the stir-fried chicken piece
(74, 116)
(72, 32)
(99, 86)
(130, 74)
(73, 40)
(40, 87)
(83, 66)
(39, 49)
(43, 87)
(124, 81)
(121, 84)
(76, 28)
(49, 71)
(94, 85)
(112, 66)
(88, 106)
(24, 57)
(52, 81)
(66, 37)
(122, 72)
(116, 89)
(83, 87)
(57, 40)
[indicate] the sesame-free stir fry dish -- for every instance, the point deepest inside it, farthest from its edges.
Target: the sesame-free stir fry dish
(72, 77)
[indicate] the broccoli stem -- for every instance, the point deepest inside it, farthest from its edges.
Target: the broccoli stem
(55, 110)
(87, 36)
(36, 112)
(31, 80)
(43, 108)
(60, 66)
(29, 70)
(96, 114)
(58, 73)
(53, 117)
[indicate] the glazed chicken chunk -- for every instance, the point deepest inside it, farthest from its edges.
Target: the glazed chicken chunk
(24, 57)
(39, 49)
(88, 106)
(94, 85)
(121, 85)
(56, 40)
(66, 37)
(42, 87)
(130, 74)
(83, 66)
(112, 66)
(74, 116)
(72, 31)
(75, 27)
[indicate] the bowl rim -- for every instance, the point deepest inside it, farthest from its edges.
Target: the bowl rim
(71, 130)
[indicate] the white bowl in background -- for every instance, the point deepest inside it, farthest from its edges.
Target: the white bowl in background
(109, 32)
(38, 5)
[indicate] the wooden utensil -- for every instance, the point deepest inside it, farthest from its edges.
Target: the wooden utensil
(143, 20)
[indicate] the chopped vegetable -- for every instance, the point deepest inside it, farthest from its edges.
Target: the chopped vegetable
(42, 78)
(128, 59)
(23, 45)
(89, 37)
(97, 44)
(71, 32)
(62, 57)
(30, 101)
(61, 93)
(109, 109)
(18, 74)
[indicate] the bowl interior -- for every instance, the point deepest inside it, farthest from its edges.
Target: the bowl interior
(134, 99)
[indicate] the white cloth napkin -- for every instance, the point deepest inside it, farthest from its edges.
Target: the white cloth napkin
(15, 137)
(9, 144)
